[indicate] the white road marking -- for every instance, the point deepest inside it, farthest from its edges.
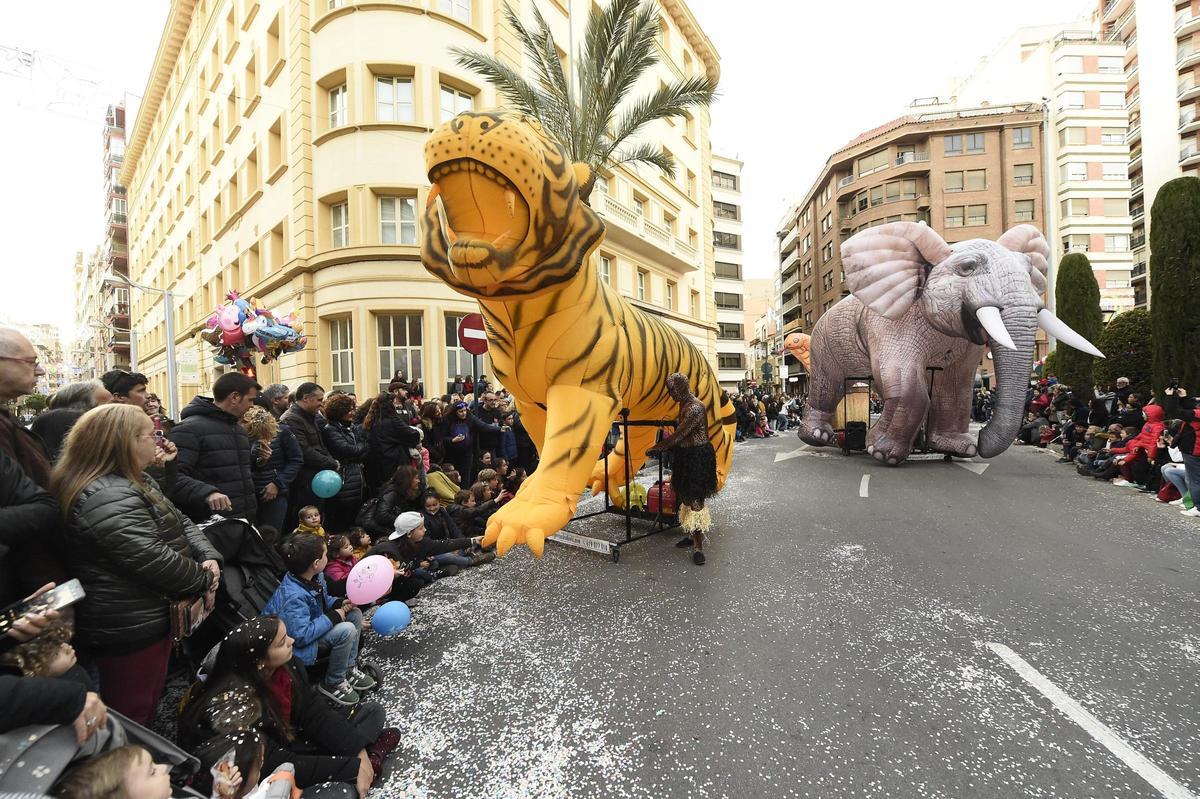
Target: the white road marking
(1103, 734)
(862, 486)
(805, 450)
(972, 466)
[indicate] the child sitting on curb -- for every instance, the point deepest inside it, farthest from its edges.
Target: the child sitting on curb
(470, 516)
(310, 521)
(340, 565)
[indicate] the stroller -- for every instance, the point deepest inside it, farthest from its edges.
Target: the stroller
(251, 573)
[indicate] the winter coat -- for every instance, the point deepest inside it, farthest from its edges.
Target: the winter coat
(473, 430)
(52, 428)
(344, 444)
(1147, 437)
(323, 744)
(338, 570)
(27, 514)
(1187, 439)
(390, 504)
(508, 445)
(284, 464)
(472, 521)
(440, 526)
(134, 552)
(299, 606)
(306, 427)
(1132, 417)
(214, 457)
(403, 550)
(39, 700)
(443, 486)
(25, 448)
(389, 441)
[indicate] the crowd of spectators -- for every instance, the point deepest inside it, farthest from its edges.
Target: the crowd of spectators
(105, 489)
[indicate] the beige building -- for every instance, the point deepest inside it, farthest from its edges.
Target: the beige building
(1082, 77)
(1161, 41)
(728, 293)
(969, 173)
(760, 326)
(278, 152)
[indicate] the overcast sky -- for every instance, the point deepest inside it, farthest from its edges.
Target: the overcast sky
(799, 80)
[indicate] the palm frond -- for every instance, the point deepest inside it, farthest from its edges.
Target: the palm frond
(671, 100)
(647, 153)
(604, 29)
(517, 91)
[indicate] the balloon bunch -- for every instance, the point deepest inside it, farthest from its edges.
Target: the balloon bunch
(240, 328)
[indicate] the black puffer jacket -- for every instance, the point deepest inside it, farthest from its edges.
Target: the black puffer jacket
(134, 552)
(214, 456)
(345, 444)
(380, 523)
(27, 514)
(390, 441)
(316, 456)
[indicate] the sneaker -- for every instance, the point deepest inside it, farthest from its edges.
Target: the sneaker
(1176, 502)
(342, 693)
(1120, 482)
(448, 570)
(359, 680)
(1192, 512)
(698, 556)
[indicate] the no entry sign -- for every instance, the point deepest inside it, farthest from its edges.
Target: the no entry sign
(471, 336)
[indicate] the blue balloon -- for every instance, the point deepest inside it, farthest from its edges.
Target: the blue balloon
(391, 618)
(326, 483)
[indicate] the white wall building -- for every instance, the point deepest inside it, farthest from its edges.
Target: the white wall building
(728, 292)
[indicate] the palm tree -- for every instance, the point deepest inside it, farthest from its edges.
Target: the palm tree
(595, 122)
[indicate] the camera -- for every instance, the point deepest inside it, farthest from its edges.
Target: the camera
(1174, 384)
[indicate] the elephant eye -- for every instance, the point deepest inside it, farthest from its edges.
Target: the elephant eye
(966, 267)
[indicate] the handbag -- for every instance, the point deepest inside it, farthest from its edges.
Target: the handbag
(186, 616)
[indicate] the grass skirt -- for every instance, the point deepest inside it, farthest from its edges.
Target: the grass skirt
(694, 473)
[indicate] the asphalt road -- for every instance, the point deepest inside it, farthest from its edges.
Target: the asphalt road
(834, 645)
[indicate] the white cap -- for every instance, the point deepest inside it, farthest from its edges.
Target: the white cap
(406, 523)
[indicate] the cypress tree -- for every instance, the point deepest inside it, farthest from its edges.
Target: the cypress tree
(1077, 302)
(1126, 344)
(1175, 283)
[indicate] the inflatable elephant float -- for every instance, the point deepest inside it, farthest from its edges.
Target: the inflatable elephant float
(917, 302)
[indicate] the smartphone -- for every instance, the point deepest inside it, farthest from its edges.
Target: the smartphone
(56, 598)
(159, 437)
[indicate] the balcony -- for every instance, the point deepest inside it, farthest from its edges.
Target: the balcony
(1133, 100)
(923, 202)
(117, 219)
(791, 283)
(1137, 242)
(844, 182)
(1189, 155)
(1135, 186)
(1137, 212)
(1187, 89)
(911, 157)
(1138, 272)
(789, 240)
(656, 241)
(116, 340)
(1109, 8)
(1186, 23)
(1188, 121)
(117, 311)
(116, 253)
(1135, 159)
(789, 262)
(1133, 134)
(1186, 57)
(795, 324)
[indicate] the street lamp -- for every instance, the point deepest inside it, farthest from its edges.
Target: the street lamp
(133, 362)
(169, 318)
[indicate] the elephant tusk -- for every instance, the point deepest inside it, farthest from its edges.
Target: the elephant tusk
(989, 317)
(1063, 332)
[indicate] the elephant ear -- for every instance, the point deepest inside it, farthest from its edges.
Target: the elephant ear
(1029, 241)
(886, 265)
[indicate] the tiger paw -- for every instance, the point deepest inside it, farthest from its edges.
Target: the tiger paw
(527, 519)
(616, 479)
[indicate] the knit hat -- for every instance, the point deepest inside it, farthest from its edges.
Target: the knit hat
(406, 523)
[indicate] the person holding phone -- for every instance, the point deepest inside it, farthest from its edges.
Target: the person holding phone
(133, 551)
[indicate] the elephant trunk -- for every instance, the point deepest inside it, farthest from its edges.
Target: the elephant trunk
(1012, 378)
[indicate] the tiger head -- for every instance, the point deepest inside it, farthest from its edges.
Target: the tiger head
(504, 217)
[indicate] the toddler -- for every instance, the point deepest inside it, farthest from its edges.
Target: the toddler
(124, 773)
(340, 565)
(310, 521)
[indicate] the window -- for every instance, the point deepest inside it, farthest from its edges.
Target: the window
(1116, 243)
(1074, 170)
(727, 301)
(1112, 99)
(1116, 206)
(455, 102)
(670, 295)
(976, 214)
(729, 360)
(1111, 63)
(639, 206)
(600, 187)
(827, 222)
(872, 163)
(1022, 174)
(727, 270)
(1024, 210)
(826, 192)
(400, 346)
(694, 304)
(974, 142)
(605, 269)
(1069, 136)
(641, 285)
(1071, 100)
(827, 252)
(827, 280)
(1115, 170)
(807, 294)
(1070, 64)
(1112, 135)
(954, 216)
(729, 331)
(459, 9)
(275, 146)
(339, 222)
(691, 184)
(337, 106)
(952, 145)
(1022, 138)
(393, 99)
(954, 181)
(877, 195)
(1077, 207)
(723, 180)
(724, 210)
(976, 180)
(807, 270)
(731, 241)
(341, 353)
(398, 220)
(458, 360)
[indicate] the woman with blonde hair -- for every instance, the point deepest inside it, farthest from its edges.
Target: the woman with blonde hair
(133, 551)
(276, 459)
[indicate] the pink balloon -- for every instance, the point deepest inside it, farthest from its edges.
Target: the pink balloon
(231, 337)
(229, 318)
(370, 579)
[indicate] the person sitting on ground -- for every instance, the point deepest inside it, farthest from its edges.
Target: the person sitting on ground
(1132, 415)
(512, 483)
(310, 521)
(469, 516)
(341, 562)
(491, 478)
(1031, 430)
(429, 560)
(257, 684)
(441, 484)
(360, 539)
(127, 772)
(318, 622)
(1142, 450)
(483, 494)
(439, 524)
(399, 495)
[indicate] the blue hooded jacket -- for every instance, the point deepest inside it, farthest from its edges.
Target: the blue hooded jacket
(299, 607)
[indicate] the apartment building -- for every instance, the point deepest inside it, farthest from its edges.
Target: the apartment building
(728, 295)
(1082, 76)
(762, 333)
(968, 173)
(279, 152)
(1162, 89)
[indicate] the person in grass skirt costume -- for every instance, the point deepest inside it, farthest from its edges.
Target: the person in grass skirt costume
(693, 465)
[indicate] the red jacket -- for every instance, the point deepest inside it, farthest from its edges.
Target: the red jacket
(1147, 439)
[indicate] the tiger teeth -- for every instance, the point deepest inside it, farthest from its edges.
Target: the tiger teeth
(443, 221)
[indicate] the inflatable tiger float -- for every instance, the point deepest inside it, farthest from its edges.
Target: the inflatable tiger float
(505, 224)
